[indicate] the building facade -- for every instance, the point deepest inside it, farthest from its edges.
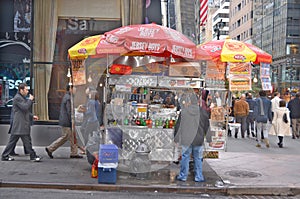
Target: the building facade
(276, 29)
(240, 20)
(44, 30)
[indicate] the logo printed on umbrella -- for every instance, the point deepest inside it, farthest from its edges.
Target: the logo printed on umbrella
(179, 50)
(147, 32)
(239, 57)
(82, 51)
(123, 30)
(88, 41)
(138, 45)
(112, 39)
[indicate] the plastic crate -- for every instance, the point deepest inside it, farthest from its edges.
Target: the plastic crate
(107, 173)
(108, 153)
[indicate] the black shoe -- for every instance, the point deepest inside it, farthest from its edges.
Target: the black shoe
(293, 137)
(76, 156)
(235, 135)
(7, 158)
(13, 154)
(36, 159)
(280, 145)
(49, 153)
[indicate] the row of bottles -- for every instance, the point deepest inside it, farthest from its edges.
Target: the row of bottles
(157, 123)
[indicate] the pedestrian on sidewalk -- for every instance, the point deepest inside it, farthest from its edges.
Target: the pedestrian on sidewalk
(275, 102)
(65, 122)
(293, 106)
(13, 153)
(263, 117)
(251, 117)
(280, 125)
(190, 129)
(241, 111)
(21, 129)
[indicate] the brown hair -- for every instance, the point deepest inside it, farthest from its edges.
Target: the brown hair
(282, 103)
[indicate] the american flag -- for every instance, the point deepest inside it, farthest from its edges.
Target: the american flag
(203, 12)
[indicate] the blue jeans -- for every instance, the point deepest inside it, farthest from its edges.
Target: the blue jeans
(185, 160)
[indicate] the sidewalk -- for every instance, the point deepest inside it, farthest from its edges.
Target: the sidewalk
(242, 169)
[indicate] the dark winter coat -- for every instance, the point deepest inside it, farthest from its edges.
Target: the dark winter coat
(22, 116)
(294, 107)
(65, 111)
(267, 106)
(192, 125)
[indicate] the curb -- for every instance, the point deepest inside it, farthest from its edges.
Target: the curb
(226, 190)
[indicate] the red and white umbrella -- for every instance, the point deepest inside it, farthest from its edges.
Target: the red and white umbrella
(152, 39)
(229, 50)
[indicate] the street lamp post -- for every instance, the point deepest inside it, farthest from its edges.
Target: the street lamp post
(219, 25)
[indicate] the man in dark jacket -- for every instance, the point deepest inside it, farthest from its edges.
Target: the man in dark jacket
(251, 118)
(190, 129)
(65, 122)
(294, 107)
(263, 115)
(21, 129)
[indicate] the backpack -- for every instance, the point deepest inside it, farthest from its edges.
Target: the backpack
(284, 118)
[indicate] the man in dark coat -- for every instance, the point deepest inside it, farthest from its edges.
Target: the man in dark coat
(294, 107)
(21, 126)
(251, 118)
(190, 129)
(65, 122)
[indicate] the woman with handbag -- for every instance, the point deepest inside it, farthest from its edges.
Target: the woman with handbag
(281, 122)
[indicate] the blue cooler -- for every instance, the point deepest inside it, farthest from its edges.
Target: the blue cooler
(107, 173)
(108, 153)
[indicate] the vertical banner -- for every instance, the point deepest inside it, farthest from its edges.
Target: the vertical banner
(239, 76)
(265, 76)
(78, 72)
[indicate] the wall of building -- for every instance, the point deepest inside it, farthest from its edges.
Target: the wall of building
(240, 20)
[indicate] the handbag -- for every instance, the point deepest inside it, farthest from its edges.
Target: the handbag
(284, 118)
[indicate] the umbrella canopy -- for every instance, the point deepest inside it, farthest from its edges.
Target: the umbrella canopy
(235, 51)
(94, 46)
(152, 39)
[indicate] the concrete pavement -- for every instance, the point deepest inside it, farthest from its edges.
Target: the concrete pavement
(242, 169)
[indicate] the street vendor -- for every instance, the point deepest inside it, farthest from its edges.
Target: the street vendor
(169, 103)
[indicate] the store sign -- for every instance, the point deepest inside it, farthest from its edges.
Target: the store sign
(76, 24)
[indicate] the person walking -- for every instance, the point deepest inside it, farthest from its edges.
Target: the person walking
(241, 111)
(251, 117)
(21, 129)
(190, 129)
(275, 102)
(263, 115)
(66, 125)
(293, 106)
(280, 123)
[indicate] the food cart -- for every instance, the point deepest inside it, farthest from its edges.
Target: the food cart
(136, 107)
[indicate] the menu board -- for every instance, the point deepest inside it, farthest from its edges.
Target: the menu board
(239, 76)
(78, 72)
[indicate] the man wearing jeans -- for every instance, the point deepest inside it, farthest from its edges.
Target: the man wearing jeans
(192, 125)
(263, 116)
